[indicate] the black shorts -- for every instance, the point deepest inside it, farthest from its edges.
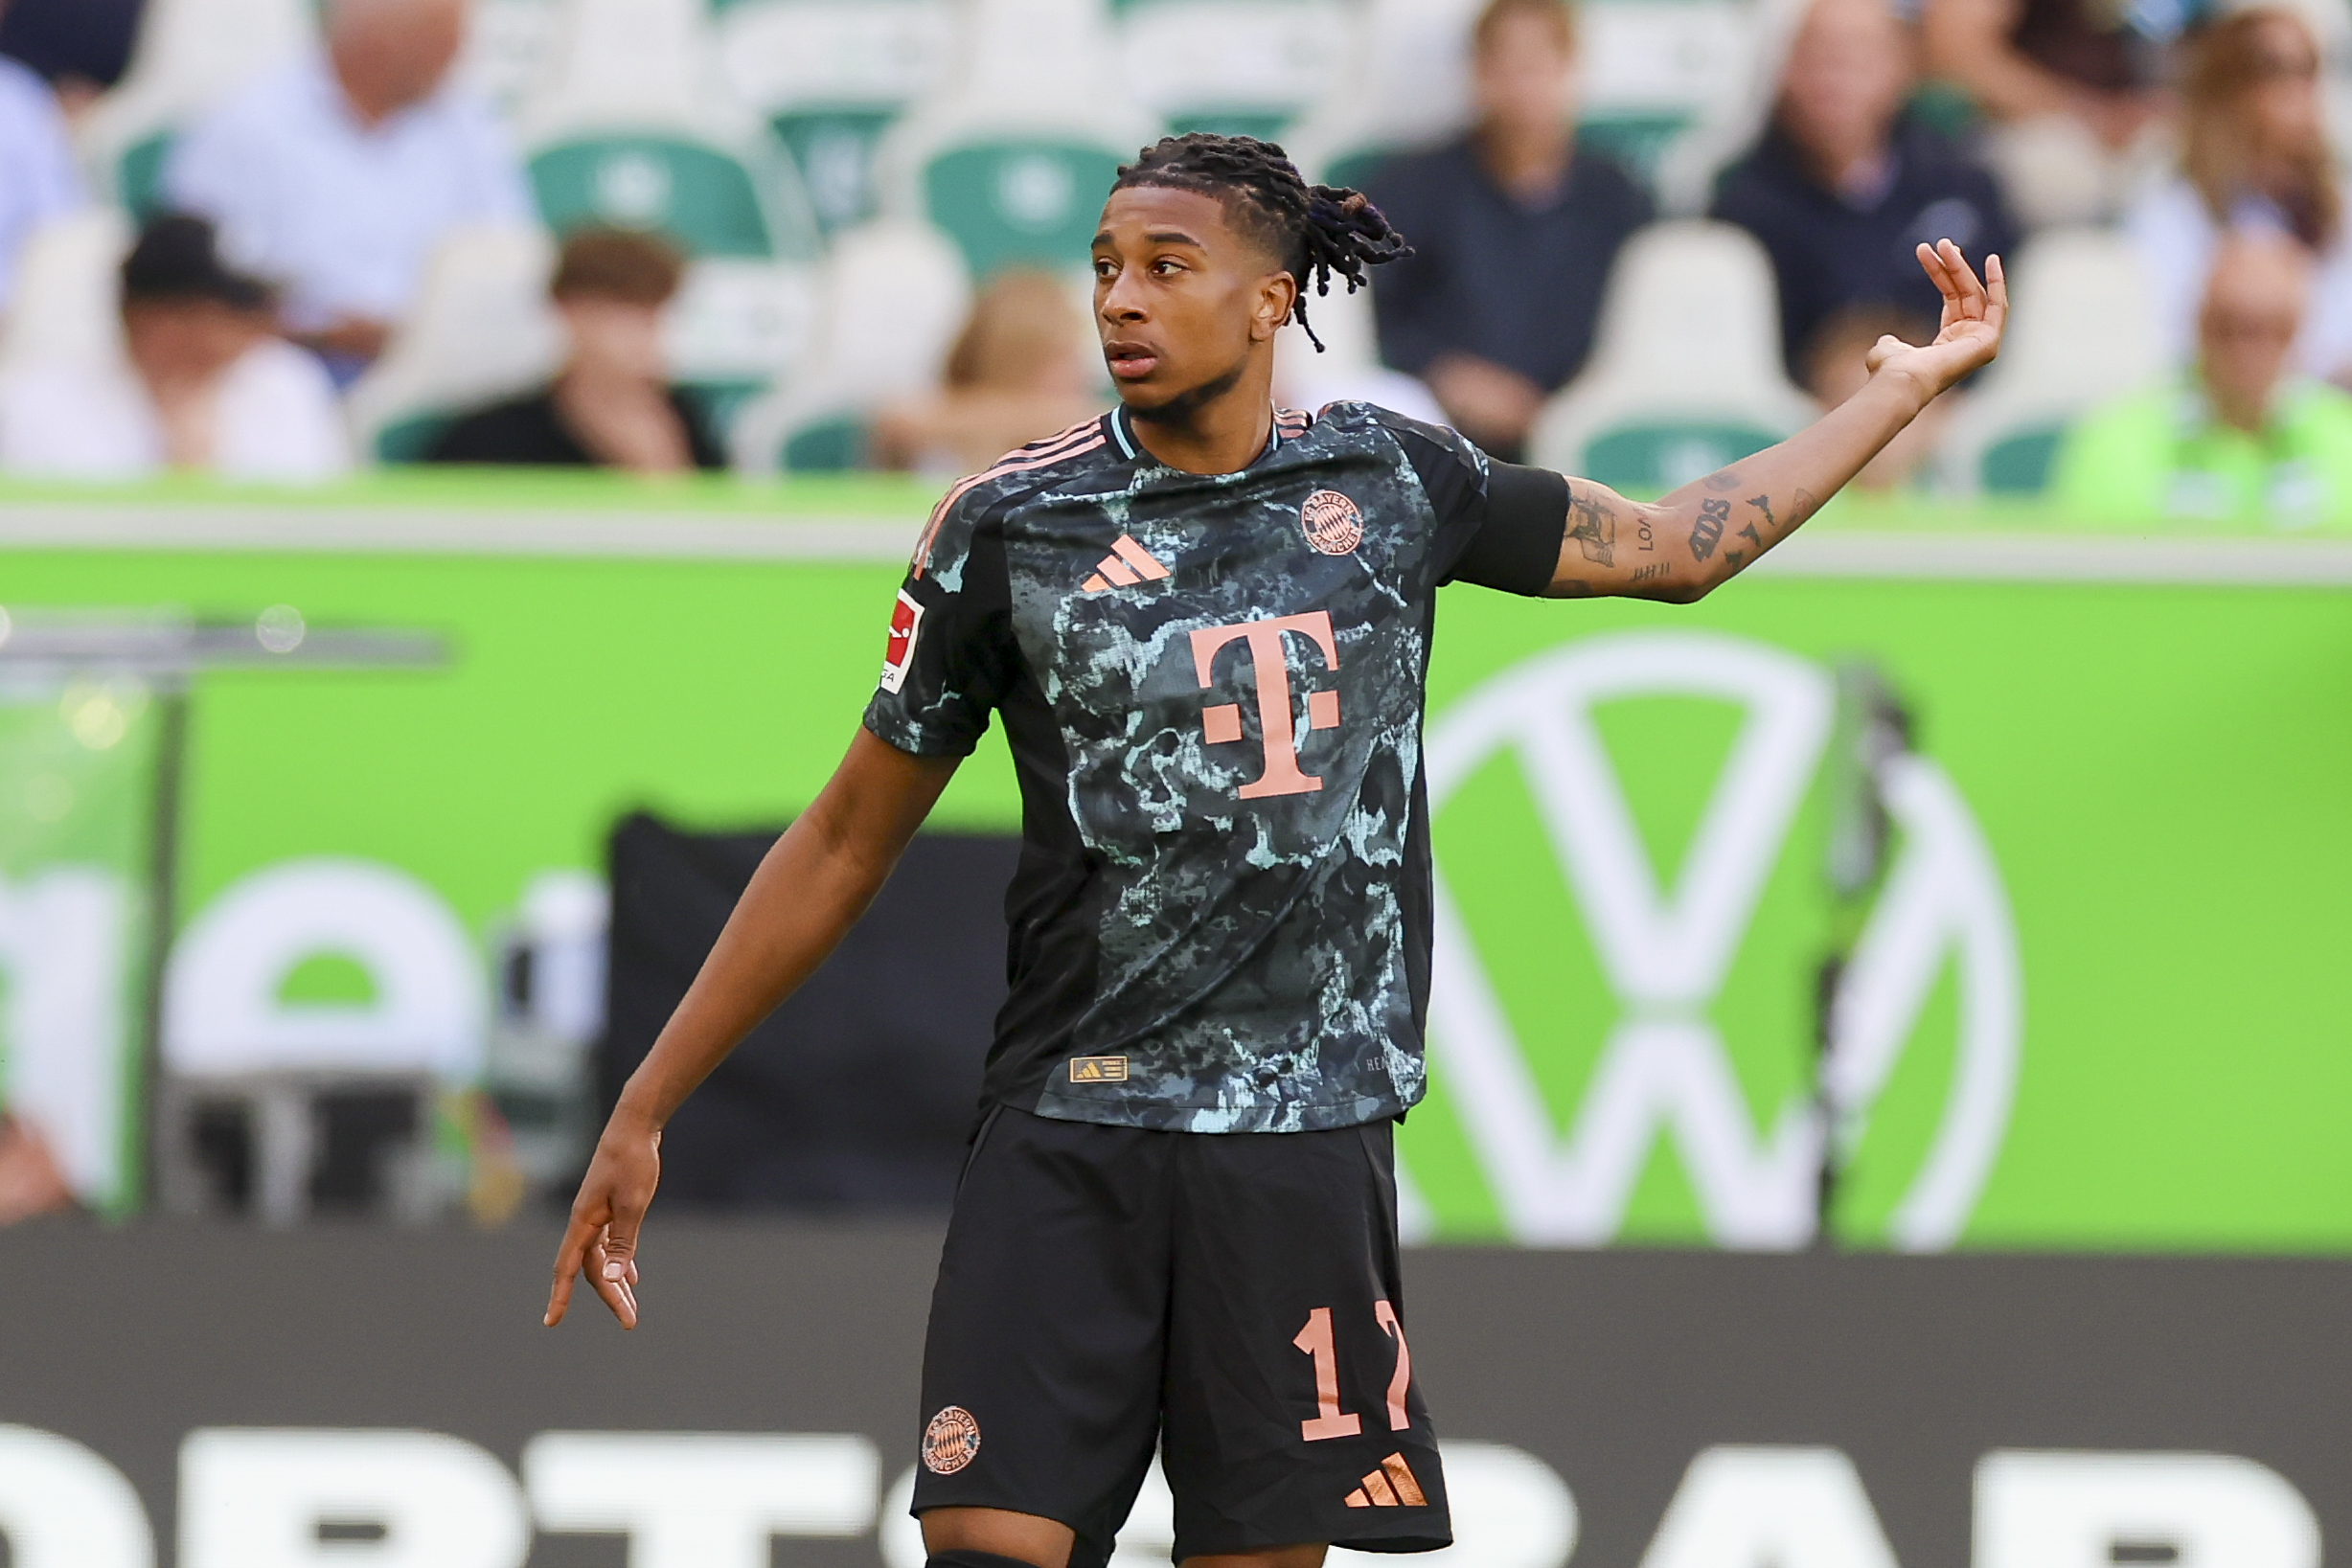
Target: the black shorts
(1233, 1298)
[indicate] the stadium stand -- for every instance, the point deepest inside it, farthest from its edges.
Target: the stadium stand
(631, 124)
(1009, 158)
(2079, 337)
(1683, 295)
(1237, 67)
(482, 329)
(191, 55)
(65, 300)
(831, 77)
(893, 293)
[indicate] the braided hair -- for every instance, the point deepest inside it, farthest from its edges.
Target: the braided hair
(1319, 232)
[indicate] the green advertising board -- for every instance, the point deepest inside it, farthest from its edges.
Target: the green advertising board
(2093, 991)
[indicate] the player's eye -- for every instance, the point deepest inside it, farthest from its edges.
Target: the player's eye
(1167, 265)
(1105, 266)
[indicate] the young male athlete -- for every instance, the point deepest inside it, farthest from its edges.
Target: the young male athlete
(1204, 625)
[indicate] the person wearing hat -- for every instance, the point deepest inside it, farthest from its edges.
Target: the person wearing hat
(202, 385)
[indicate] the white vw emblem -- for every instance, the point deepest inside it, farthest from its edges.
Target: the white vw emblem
(1665, 951)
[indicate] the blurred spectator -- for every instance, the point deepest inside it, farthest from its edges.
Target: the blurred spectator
(611, 405)
(1514, 229)
(1844, 184)
(1018, 374)
(81, 47)
(1837, 365)
(2073, 88)
(204, 386)
(2240, 440)
(335, 175)
(2254, 155)
(31, 1182)
(37, 179)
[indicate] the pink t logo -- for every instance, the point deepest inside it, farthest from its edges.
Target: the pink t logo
(1270, 675)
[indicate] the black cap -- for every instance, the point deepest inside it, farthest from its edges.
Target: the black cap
(176, 258)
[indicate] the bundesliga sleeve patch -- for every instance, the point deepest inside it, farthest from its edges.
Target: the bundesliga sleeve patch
(906, 620)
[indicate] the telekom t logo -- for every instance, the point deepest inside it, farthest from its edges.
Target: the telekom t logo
(1271, 676)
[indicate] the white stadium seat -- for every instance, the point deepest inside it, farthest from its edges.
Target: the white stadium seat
(1248, 67)
(893, 296)
(482, 329)
(1685, 374)
(830, 77)
(1013, 155)
(2078, 335)
(68, 302)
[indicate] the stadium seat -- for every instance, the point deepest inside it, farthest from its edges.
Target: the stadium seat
(1685, 372)
(1240, 67)
(1013, 156)
(830, 77)
(67, 300)
(633, 125)
(482, 329)
(190, 54)
(894, 296)
(2077, 337)
(1349, 368)
(1747, 45)
(1402, 80)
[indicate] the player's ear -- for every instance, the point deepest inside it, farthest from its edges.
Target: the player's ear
(1278, 298)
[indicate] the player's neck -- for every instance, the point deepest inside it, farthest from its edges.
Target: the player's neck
(1221, 429)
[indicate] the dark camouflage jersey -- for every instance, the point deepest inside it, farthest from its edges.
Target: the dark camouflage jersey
(1213, 687)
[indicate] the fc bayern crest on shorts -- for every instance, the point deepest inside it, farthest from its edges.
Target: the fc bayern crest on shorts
(1333, 524)
(952, 1442)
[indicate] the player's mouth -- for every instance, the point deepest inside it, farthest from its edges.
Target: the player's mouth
(1130, 361)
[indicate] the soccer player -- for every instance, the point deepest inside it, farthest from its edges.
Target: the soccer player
(1204, 625)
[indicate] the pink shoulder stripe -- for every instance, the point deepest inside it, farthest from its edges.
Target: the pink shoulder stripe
(1014, 462)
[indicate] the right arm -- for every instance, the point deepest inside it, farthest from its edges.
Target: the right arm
(809, 889)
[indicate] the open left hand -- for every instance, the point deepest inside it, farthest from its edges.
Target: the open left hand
(1974, 315)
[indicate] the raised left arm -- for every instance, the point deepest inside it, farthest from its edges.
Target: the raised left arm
(1693, 540)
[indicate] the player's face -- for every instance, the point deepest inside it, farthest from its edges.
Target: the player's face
(1182, 298)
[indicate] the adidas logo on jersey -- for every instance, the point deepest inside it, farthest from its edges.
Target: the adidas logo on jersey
(1098, 1069)
(1391, 1486)
(1127, 564)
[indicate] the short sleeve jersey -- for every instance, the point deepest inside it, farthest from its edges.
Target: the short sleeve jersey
(1212, 687)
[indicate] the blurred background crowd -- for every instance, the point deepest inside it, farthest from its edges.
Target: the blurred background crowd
(283, 239)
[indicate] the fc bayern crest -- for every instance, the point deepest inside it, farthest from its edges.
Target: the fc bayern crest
(952, 1442)
(1333, 524)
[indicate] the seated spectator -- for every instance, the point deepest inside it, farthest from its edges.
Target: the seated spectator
(205, 386)
(2241, 442)
(1844, 184)
(335, 175)
(611, 405)
(2254, 155)
(38, 179)
(1837, 364)
(1514, 229)
(81, 47)
(1018, 374)
(2073, 89)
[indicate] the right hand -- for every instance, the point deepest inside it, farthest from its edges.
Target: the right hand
(602, 1239)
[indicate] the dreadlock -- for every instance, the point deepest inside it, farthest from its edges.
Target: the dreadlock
(1320, 232)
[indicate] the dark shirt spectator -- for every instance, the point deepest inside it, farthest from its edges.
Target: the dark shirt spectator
(611, 404)
(81, 47)
(1514, 230)
(1845, 185)
(533, 430)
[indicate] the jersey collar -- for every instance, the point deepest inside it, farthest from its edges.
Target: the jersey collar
(1123, 432)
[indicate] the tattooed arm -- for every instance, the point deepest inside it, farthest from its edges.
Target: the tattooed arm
(1680, 547)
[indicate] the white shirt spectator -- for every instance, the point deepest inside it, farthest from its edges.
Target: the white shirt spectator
(276, 420)
(37, 180)
(342, 215)
(2174, 234)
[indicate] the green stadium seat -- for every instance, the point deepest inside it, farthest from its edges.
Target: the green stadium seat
(1019, 201)
(2077, 337)
(1685, 372)
(704, 198)
(827, 446)
(138, 175)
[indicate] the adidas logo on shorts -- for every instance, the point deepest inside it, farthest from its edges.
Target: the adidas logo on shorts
(1391, 1486)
